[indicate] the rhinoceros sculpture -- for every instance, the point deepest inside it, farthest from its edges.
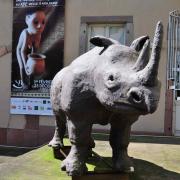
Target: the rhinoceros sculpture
(111, 83)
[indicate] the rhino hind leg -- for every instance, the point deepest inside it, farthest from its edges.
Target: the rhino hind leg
(80, 138)
(60, 130)
(119, 141)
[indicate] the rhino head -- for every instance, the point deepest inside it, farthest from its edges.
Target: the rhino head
(125, 78)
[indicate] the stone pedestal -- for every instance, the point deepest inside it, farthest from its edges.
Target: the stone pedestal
(102, 177)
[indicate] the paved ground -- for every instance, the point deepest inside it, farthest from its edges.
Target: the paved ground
(155, 158)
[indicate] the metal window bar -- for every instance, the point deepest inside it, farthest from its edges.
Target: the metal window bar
(174, 48)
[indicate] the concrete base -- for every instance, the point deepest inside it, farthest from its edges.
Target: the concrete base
(102, 177)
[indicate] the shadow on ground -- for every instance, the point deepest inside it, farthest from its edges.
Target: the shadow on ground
(144, 170)
(12, 151)
(143, 139)
(149, 171)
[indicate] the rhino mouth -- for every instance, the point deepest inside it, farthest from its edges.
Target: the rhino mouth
(128, 107)
(142, 108)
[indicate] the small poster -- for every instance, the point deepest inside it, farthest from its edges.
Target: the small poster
(33, 106)
(37, 54)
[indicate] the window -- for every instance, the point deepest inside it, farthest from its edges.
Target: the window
(119, 28)
(114, 31)
(174, 53)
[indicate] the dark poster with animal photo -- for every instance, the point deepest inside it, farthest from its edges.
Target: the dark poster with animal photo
(37, 54)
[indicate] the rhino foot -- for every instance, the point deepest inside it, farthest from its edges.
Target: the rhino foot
(73, 167)
(56, 143)
(124, 165)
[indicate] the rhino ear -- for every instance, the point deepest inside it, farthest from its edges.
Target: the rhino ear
(138, 43)
(102, 41)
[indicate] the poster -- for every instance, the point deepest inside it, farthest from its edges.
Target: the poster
(37, 54)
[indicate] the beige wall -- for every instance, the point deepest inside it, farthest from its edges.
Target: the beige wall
(145, 15)
(5, 62)
(7, 120)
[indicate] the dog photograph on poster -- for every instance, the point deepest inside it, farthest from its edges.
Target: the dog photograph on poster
(37, 46)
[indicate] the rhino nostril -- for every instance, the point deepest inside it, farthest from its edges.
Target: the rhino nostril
(111, 78)
(136, 97)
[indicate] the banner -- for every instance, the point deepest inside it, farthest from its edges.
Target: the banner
(37, 54)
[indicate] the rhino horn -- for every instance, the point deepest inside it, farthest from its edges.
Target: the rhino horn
(149, 74)
(138, 43)
(102, 41)
(143, 57)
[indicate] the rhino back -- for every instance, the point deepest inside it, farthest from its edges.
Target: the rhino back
(73, 85)
(55, 91)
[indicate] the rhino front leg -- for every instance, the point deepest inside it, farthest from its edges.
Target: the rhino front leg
(80, 138)
(60, 129)
(119, 141)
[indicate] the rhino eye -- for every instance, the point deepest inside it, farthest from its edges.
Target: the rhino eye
(111, 78)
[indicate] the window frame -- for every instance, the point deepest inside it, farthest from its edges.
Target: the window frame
(127, 21)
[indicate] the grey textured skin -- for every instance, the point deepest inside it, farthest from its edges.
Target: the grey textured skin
(112, 84)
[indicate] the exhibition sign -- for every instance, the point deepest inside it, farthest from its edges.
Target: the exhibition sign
(37, 54)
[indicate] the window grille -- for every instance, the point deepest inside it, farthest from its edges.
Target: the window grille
(174, 48)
